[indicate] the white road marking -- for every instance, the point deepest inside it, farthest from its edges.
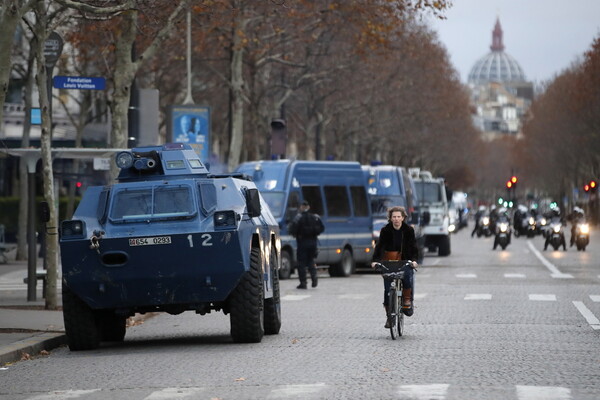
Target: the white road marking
(174, 393)
(295, 297)
(515, 276)
(595, 298)
(466, 275)
(543, 393)
(542, 297)
(420, 295)
(294, 391)
(423, 392)
(63, 394)
(587, 314)
(555, 272)
(354, 296)
(475, 296)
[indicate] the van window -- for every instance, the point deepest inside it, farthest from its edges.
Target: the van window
(429, 192)
(312, 194)
(292, 205)
(359, 200)
(337, 201)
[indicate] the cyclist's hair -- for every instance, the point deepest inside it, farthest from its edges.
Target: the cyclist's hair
(394, 209)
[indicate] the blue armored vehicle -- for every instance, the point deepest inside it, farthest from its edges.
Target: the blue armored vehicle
(169, 236)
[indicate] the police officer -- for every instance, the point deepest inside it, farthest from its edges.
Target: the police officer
(305, 227)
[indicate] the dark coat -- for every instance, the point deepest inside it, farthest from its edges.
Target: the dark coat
(408, 248)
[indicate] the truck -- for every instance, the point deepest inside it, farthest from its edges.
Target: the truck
(336, 191)
(169, 236)
(431, 193)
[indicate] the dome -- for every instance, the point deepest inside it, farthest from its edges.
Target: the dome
(496, 66)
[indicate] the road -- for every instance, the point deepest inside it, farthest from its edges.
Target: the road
(515, 324)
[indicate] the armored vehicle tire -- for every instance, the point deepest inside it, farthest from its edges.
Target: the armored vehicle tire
(80, 323)
(286, 265)
(444, 246)
(273, 305)
(112, 326)
(345, 267)
(246, 304)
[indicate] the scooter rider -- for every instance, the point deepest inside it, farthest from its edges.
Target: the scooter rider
(577, 217)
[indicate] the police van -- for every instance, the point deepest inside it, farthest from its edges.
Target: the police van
(335, 191)
(389, 186)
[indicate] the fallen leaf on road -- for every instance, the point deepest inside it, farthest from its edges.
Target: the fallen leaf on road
(25, 356)
(294, 341)
(44, 353)
(240, 379)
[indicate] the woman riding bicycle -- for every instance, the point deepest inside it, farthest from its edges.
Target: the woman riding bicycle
(397, 242)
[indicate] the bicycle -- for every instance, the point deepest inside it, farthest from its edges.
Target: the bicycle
(392, 270)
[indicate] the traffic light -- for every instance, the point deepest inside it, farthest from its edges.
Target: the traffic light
(509, 184)
(513, 179)
(586, 187)
(593, 186)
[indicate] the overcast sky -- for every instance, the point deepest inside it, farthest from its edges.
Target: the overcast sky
(544, 36)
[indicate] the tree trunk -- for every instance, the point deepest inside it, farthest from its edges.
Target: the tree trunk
(237, 87)
(47, 172)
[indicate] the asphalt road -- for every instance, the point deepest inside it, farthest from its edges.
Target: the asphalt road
(515, 324)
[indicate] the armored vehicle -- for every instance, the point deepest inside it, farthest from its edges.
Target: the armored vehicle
(169, 237)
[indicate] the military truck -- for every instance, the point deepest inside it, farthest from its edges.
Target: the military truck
(169, 236)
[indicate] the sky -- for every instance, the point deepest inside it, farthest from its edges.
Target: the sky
(544, 36)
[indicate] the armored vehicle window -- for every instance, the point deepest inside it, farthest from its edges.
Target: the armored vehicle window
(429, 192)
(312, 194)
(160, 202)
(359, 200)
(208, 198)
(338, 204)
(102, 203)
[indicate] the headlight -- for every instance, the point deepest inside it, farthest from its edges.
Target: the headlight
(486, 220)
(543, 221)
(124, 159)
(72, 229)
(503, 227)
(584, 228)
(225, 219)
(556, 228)
(531, 221)
(451, 228)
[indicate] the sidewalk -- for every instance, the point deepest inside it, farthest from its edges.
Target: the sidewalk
(26, 328)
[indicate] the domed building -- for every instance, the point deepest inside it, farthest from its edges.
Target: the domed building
(500, 91)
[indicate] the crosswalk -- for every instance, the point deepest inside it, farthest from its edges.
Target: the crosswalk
(318, 390)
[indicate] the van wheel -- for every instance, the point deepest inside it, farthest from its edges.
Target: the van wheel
(272, 315)
(246, 304)
(345, 267)
(286, 265)
(80, 323)
(444, 246)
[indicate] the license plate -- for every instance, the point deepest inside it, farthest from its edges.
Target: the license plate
(149, 241)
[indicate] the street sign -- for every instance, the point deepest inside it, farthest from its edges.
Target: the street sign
(79, 82)
(52, 48)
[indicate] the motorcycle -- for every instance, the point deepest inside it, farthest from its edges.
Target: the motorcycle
(503, 232)
(556, 235)
(483, 228)
(582, 235)
(527, 226)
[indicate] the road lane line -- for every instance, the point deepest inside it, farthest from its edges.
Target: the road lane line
(174, 393)
(423, 392)
(542, 297)
(295, 297)
(595, 298)
(63, 394)
(587, 314)
(296, 391)
(555, 272)
(466, 275)
(543, 393)
(476, 296)
(515, 276)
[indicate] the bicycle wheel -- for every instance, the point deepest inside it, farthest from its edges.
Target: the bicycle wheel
(395, 314)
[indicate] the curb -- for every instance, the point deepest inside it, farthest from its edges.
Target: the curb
(33, 345)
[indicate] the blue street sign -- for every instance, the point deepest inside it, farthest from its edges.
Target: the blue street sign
(79, 82)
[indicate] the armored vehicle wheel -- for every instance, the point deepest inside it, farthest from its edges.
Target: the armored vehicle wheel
(112, 326)
(273, 305)
(80, 323)
(246, 304)
(286, 265)
(345, 267)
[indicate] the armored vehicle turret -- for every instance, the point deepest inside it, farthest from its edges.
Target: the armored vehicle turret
(169, 236)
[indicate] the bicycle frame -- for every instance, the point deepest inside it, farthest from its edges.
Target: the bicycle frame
(395, 315)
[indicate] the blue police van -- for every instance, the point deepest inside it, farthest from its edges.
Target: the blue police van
(336, 191)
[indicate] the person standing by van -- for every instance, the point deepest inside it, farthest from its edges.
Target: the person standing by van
(306, 227)
(397, 242)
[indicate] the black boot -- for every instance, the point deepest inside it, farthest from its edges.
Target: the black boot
(387, 317)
